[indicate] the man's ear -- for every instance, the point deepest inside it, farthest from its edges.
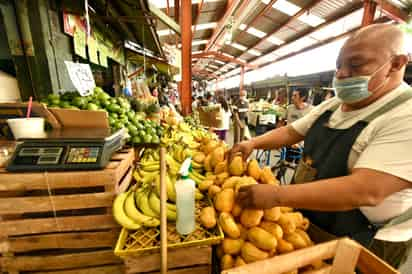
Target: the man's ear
(399, 61)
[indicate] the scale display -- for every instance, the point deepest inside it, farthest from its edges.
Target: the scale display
(66, 150)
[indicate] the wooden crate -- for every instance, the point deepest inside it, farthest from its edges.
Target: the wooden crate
(196, 260)
(346, 255)
(61, 222)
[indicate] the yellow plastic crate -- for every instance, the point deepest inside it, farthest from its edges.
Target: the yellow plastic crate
(146, 240)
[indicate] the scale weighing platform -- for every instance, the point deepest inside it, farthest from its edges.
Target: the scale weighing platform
(67, 149)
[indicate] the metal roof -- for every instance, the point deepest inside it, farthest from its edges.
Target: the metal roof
(271, 29)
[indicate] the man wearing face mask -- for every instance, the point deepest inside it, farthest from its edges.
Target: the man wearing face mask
(355, 177)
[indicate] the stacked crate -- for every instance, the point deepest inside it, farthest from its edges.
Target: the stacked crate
(61, 222)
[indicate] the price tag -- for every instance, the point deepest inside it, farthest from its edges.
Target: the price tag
(82, 77)
(79, 38)
(92, 46)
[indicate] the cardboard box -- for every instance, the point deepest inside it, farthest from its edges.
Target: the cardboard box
(210, 118)
(80, 118)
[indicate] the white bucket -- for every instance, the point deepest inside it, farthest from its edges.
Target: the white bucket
(27, 127)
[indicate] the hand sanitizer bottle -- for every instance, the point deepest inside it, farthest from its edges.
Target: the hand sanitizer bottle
(185, 200)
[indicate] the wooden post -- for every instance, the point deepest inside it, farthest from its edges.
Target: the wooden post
(186, 27)
(369, 9)
(163, 212)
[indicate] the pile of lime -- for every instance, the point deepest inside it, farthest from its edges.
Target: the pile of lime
(121, 115)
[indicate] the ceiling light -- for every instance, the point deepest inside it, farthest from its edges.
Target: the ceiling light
(242, 26)
(164, 32)
(254, 52)
(197, 52)
(265, 2)
(275, 40)
(205, 26)
(199, 42)
(311, 20)
(219, 62)
(213, 66)
(256, 32)
(238, 46)
(227, 54)
(286, 7)
(162, 4)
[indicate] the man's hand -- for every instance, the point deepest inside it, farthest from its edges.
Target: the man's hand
(245, 148)
(260, 196)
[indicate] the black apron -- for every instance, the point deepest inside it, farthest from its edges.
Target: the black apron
(325, 156)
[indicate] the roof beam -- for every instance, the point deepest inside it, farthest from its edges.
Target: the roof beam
(324, 42)
(221, 57)
(393, 11)
(310, 31)
(261, 13)
(164, 18)
(369, 10)
(231, 8)
(290, 19)
(199, 10)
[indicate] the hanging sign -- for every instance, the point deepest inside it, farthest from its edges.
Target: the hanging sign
(81, 77)
(92, 48)
(103, 55)
(79, 38)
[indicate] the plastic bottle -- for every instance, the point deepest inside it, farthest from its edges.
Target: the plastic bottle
(185, 200)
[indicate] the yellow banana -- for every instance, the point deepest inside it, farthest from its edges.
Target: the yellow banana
(136, 215)
(198, 195)
(143, 204)
(196, 165)
(171, 192)
(136, 176)
(198, 175)
(155, 205)
(120, 215)
(194, 178)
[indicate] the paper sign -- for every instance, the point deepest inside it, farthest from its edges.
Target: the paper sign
(79, 38)
(92, 46)
(103, 56)
(82, 77)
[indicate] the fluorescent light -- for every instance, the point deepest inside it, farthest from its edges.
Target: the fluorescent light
(213, 66)
(242, 26)
(219, 62)
(254, 52)
(164, 32)
(199, 42)
(275, 40)
(238, 46)
(311, 19)
(197, 52)
(256, 32)
(205, 26)
(265, 1)
(286, 7)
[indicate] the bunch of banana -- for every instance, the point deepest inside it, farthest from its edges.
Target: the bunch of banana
(128, 215)
(196, 176)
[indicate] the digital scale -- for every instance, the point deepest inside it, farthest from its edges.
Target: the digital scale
(67, 149)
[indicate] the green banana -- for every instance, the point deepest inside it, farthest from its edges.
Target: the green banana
(120, 215)
(136, 215)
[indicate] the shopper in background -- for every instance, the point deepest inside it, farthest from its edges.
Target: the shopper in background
(329, 94)
(241, 107)
(209, 99)
(225, 114)
(355, 154)
(299, 107)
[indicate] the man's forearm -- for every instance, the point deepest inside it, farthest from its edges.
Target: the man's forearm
(277, 138)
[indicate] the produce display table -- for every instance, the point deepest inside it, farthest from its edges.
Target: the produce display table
(61, 222)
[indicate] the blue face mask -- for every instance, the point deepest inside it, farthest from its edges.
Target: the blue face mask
(355, 89)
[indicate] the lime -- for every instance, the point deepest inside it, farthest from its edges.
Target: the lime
(155, 139)
(113, 108)
(136, 140)
(91, 106)
(53, 96)
(111, 120)
(114, 115)
(147, 139)
(55, 102)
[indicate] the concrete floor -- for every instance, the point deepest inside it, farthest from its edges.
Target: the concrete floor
(404, 269)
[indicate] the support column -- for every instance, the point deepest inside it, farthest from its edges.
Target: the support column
(186, 27)
(242, 78)
(369, 9)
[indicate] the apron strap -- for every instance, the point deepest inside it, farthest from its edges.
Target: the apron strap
(389, 106)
